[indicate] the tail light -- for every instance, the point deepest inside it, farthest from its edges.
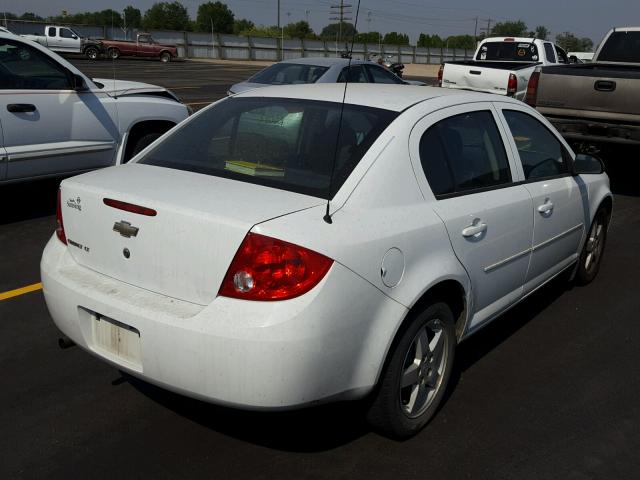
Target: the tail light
(532, 89)
(512, 86)
(129, 207)
(265, 268)
(60, 225)
(440, 75)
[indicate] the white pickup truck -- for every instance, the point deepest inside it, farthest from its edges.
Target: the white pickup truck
(56, 121)
(502, 65)
(58, 39)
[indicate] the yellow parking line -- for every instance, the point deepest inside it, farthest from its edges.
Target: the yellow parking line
(20, 291)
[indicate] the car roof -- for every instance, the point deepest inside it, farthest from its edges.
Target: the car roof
(389, 97)
(323, 61)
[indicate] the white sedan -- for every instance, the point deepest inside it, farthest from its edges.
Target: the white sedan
(248, 260)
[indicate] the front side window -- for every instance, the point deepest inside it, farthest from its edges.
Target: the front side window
(66, 33)
(289, 73)
(381, 75)
(541, 153)
(144, 39)
(24, 67)
(508, 52)
(562, 56)
(289, 144)
(464, 153)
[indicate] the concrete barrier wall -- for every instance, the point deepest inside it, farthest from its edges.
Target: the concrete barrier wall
(234, 47)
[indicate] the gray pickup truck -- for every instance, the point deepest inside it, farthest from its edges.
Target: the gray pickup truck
(594, 104)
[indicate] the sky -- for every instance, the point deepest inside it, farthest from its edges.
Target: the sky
(584, 18)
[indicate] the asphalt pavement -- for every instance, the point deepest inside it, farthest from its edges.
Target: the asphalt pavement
(547, 391)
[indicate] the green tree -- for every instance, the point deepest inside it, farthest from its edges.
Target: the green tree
(167, 15)
(218, 13)
(368, 37)
(103, 17)
(300, 29)
(395, 38)
(461, 41)
(241, 27)
(30, 16)
(262, 31)
(540, 32)
(432, 41)
(132, 17)
(571, 43)
(332, 31)
(510, 29)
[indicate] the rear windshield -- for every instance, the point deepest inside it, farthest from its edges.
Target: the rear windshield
(508, 52)
(621, 47)
(288, 144)
(289, 73)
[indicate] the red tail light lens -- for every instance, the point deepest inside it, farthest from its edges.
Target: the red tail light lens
(512, 86)
(60, 225)
(129, 207)
(265, 268)
(532, 89)
(440, 75)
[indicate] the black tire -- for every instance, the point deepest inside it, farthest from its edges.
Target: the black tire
(390, 409)
(143, 142)
(593, 249)
(165, 57)
(113, 53)
(92, 53)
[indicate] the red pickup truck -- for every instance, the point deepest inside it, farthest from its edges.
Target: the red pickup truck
(144, 46)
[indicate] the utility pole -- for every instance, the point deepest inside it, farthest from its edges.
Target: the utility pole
(281, 32)
(475, 31)
(340, 13)
(487, 30)
(306, 13)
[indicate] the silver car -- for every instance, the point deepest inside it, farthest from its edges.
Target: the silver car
(320, 70)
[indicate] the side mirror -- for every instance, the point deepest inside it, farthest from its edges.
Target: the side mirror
(78, 83)
(587, 165)
(75, 37)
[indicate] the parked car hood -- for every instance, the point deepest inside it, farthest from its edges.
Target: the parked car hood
(127, 87)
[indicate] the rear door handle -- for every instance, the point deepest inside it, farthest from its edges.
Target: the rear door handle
(21, 107)
(474, 229)
(605, 85)
(546, 207)
(475, 72)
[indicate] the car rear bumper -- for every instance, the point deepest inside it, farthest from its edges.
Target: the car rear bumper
(596, 130)
(325, 345)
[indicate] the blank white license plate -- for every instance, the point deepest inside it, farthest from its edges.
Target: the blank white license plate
(117, 340)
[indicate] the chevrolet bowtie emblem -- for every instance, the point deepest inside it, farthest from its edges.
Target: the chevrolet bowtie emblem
(125, 229)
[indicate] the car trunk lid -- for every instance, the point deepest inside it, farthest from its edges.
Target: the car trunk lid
(184, 250)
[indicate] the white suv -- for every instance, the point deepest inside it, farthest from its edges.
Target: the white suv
(281, 249)
(56, 121)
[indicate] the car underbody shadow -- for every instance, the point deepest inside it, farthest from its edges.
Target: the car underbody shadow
(313, 429)
(502, 328)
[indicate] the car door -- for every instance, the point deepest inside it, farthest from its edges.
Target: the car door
(146, 47)
(69, 41)
(48, 127)
(559, 201)
(462, 164)
(3, 157)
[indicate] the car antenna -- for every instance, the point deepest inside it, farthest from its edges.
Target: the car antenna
(327, 216)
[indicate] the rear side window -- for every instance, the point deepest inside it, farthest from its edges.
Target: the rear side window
(508, 52)
(541, 153)
(551, 55)
(621, 47)
(289, 73)
(52, 32)
(288, 144)
(356, 74)
(381, 75)
(464, 153)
